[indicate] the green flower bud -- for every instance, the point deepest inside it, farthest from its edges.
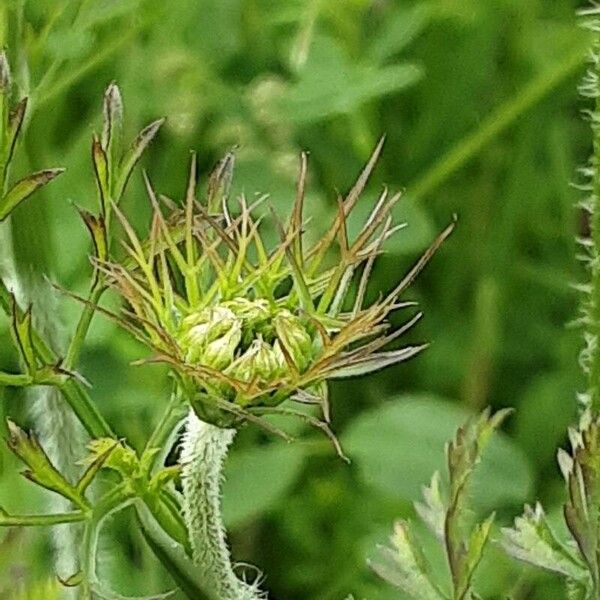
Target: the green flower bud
(261, 361)
(211, 337)
(295, 339)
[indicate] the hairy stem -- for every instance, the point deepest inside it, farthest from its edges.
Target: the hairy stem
(204, 450)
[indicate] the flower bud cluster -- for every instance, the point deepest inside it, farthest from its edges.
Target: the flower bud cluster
(248, 341)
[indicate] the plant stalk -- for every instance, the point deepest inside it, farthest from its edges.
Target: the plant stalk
(204, 450)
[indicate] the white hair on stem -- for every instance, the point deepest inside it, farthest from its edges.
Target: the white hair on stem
(204, 450)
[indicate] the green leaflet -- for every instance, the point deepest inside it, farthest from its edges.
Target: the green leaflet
(41, 470)
(465, 548)
(24, 188)
(405, 565)
(532, 541)
(133, 155)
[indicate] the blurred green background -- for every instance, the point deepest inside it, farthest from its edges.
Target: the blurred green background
(478, 101)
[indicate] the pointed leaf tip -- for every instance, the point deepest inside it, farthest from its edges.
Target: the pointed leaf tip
(24, 188)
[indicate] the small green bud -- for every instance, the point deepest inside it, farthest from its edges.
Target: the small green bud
(261, 361)
(294, 338)
(211, 337)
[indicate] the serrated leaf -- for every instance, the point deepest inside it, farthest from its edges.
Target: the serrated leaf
(405, 567)
(94, 466)
(398, 445)
(433, 508)
(24, 188)
(465, 548)
(582, 510)
(261, 476)
(119, 457)
(331, 85)
(531, 540)
(41, 470)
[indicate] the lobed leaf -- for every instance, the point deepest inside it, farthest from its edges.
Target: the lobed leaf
(405, 566)
(41, 470)
(531, 540)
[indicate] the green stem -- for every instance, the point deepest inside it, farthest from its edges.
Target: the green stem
(83, 325)
(174, 413)
(498, 121)
(86, 410)
(41, 520)
(203, 453)
(20, 380)
(110, 503)
(594, 305)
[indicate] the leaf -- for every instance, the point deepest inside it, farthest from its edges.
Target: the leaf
(331, 85)
(15, 123)
(101, 171)
(398, 445)
(119, 457)
(219, 183)
(112, 127)
(582, 510)
(21, 326)
(133, 155)
(465, 547)
(375, 362)
(405, 567)
(94, 467)
(258, 478)
(97, 229)
(101, 11)
(24, 188)
(433, 508)
(532, 541)
(399, 29)
(41, 470)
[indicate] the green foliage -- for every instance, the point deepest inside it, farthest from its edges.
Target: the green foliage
(406, 566)
(399, 444)
(532, 539)
(221, 72)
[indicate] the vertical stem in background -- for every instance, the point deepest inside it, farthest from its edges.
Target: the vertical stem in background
(56, 425)
(591, 354)
(203, 454)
